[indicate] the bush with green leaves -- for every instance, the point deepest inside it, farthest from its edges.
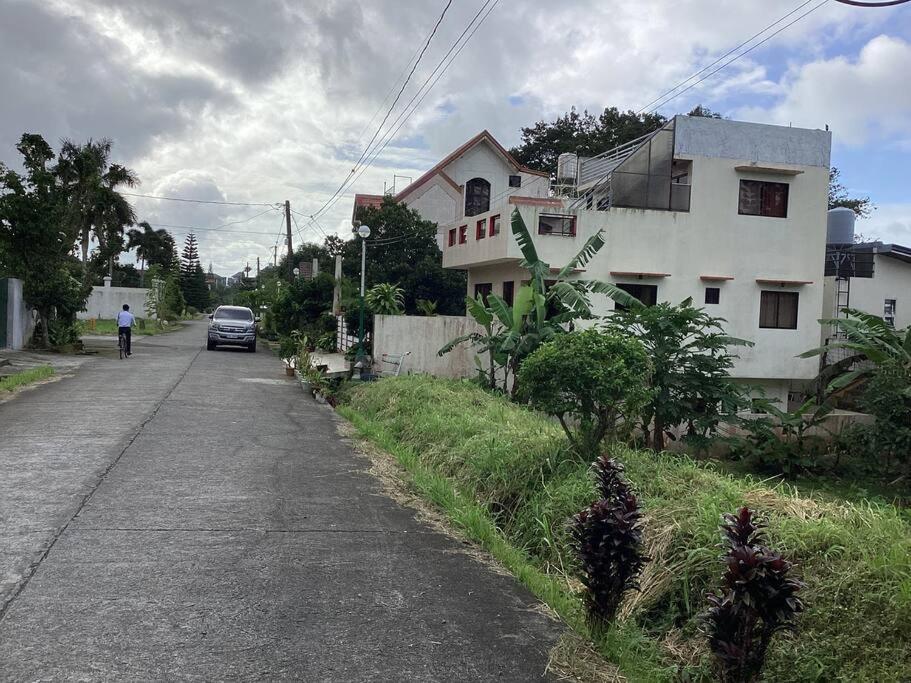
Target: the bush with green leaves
(385, 299)
(888, 398)
(757, 600)
(607, 540)
(591, 381)
(691, 364)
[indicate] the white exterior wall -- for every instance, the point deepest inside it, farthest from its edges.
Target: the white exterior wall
(20, 320)
(891, 280)
(711, 239)
(107, 302)
(436, 201)
(423, 336)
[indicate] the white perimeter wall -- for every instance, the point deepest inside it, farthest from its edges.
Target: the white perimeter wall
(106, 302)
(20, 320)
(423, 337)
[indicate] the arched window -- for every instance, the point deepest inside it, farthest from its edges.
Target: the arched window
(477, 196)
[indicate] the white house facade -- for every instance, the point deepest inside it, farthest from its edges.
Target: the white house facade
(731, 214)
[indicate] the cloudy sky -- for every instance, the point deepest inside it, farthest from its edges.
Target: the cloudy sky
(258, 101)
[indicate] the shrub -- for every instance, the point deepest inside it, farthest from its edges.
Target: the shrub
(757, 600)
(385, 299)
(590, 381)
(888, 398)
(607, 540)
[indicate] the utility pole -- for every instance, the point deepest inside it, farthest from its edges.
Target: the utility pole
(275, 255)
(257, 271)
(290, 250)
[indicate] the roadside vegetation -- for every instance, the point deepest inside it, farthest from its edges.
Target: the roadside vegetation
(508, 477)
(26, 377)
(144, 327)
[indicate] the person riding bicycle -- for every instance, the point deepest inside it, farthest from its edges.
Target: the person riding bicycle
(125, 322)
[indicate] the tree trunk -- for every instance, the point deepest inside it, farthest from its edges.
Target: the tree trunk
(142, 272)
(658, 435)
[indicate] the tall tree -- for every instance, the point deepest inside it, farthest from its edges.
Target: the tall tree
(192, 277)
(839, 197)
(583, 134)
(96, 209)
(36, 239)
(152, 246)
(402, 248)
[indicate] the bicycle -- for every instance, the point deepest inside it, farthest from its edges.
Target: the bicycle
(122, 345)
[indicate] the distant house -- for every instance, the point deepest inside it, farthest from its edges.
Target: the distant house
(473, 179)
(729, 213)
(870, 276)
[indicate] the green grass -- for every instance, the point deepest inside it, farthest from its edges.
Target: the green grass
(503, 474)
(108, 327)
(30, 376)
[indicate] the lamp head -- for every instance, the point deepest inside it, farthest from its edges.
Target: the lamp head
(363, 231)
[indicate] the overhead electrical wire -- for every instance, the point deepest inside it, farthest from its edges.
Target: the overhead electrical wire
(420, 95)
(664, 101)
(197, 201)
(726, 54)
(392, 106)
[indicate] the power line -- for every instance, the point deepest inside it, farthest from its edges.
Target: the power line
(197, 228)
(403, 117)
(194, 201)
(726, 54)
(391, 107)
(735, 58)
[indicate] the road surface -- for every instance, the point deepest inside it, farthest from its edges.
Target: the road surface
(187, 514)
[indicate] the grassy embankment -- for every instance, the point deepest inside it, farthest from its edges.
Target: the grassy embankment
(108, 327)
(21, 379)
(502, 475)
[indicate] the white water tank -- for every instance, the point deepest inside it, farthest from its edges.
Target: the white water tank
(567, 167)
(840, 226)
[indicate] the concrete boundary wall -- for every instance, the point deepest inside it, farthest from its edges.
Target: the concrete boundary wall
(19, 322)
(423, 337)
(107, 301)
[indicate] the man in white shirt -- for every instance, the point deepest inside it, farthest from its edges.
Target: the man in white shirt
(125, 322)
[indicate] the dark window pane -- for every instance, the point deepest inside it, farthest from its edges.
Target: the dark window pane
(750, 193)
(509, 291)
(477, 196)
(778, 310)
(647, 294)
(452, 237)
(463, 234)
(481, 230)
(483, 289)
(515, 181)
(712, 295)
(775, 200)
(494, 225)
(556, 225)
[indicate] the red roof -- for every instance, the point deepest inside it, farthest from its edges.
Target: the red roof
(480, 137)
(374, 201)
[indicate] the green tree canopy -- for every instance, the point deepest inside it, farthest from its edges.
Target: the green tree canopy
(584, 134)
(839, 197)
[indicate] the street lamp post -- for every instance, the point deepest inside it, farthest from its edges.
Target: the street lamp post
(364, 232)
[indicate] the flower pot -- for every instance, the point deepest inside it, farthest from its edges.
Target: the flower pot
(289, 371)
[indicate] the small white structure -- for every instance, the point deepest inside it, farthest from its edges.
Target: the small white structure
(107, 301)
(17, 320)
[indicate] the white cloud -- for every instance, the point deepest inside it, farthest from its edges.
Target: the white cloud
(890, 223)
(266, 100)
(861, 99)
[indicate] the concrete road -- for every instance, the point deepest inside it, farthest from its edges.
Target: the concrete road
(187, 514)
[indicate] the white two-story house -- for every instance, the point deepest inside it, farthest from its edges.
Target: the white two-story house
(474, 177)
(729, 213)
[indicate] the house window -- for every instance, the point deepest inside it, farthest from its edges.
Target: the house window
(515, 181)
(557, 225)
(483, 289)
(647, 294)
(760, 198)
(481, 229)
(509, 291)
(477, 196)
(712, 295)
(452, 237)
(494, 226)
(463, 234)
(778, 310)
(889, 312)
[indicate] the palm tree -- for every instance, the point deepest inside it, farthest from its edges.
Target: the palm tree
(96, 208)
(151, 245)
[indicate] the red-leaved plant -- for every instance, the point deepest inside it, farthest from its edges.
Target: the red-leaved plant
(607, 539)
(757, 600)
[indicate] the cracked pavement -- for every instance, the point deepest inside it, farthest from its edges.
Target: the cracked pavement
(191, 515)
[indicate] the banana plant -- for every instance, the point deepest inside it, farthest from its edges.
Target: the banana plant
(871, 339)
(489, 342)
